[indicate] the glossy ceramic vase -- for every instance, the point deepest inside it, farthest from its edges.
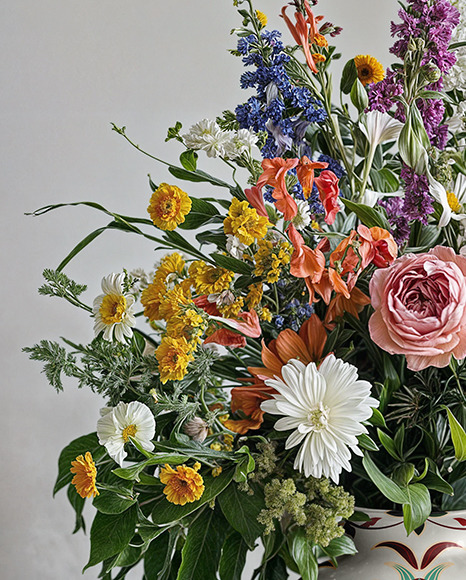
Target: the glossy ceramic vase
(437, 551)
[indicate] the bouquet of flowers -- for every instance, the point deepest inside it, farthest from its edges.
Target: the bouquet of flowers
(302, 352)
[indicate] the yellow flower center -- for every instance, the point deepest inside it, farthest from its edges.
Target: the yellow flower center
(453, 202)
(112, 308)
(128, 432)
(318, 417)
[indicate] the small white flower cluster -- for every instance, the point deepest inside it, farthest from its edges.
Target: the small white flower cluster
(235, 247)
(456, 78)
(206, 135)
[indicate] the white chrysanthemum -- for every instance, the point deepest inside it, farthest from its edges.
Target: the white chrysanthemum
(208, 136)
(303, 217)
(326, 408)
(234, 247)
(240, 142)
(456, 77)
(114, 310)
(126, 420)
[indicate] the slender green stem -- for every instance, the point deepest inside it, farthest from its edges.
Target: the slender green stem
(367, 168)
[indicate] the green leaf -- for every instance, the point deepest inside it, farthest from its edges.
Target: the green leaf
(188, 160)
(365, 442)
(348, 76)
(78, 505)
(302, 551)
(377, 419)
(82, 244)
(274, 569)
(109, 502)
(458, 500)
(165, 512)
(458, 437)
(132, 472)
(389, 444)
(436, 482)
(343, 546)
(245, 466)
(77, 447)
(418, 507)
(359, 96)
(403, 474)
(197, 176)
(233, 557)
(232, 264)
(388, 487)
(110, 534)
(202, 549)
(158, 556)
(369, 216)
(202, 212)
(241, 511)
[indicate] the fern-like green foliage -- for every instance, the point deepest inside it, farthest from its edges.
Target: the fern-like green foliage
(57, 361)
(58, 284)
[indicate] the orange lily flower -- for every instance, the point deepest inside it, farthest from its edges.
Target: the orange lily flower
(248, 399)
(274, 174)
(256, 199)
(305, 262)
(305, 172)
(340, 304)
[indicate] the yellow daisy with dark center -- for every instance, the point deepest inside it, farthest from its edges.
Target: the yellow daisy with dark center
(183, 484)
(169, 206)
(85, 475)
(369, 69)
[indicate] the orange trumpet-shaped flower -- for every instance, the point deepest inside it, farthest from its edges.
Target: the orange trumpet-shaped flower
(305, 171)
(256, 199)
(248, 400)
(305, 262)
(341, 304)
(274, 174)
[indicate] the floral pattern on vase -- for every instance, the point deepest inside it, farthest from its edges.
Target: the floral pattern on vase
(435, 551)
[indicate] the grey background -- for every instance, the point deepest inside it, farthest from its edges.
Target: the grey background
(68, 69)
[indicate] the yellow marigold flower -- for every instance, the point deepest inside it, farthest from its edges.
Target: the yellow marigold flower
(151, 299)
(171, 264)
(209, 279)
(369, 69)
(262, 18)
(228, 442)
(86, 473)
(265, 314)
(182, 485)
(254, 296)
(216, 471)
(244, 222)
(188, 324)
(216, 446)
(320, 40)
(232, 310)
(173, 302)
(169, 206)
(318, 57)
(173, 356)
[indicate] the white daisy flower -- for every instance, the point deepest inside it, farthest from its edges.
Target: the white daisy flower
(117, 425)
(303, 217)
(326, 408)
(452, 202)
(208, 136)
(240, 142)
(114, 310)
(234, 247)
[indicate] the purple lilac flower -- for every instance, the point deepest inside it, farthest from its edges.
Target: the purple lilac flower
(399, 222)
(417, 202)
(274, 94)
(381, 94)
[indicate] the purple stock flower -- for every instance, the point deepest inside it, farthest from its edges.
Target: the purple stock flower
(381, 94)
(399, 222)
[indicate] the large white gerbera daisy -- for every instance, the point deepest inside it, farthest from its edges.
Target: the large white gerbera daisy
(114, 310)
(126, 420)
(326, 407)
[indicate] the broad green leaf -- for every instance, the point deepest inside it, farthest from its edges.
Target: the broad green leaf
(202, 549)
(359, 96)
(403, 474)
(78, 505)
(77, 447)
(233, 557)
(436, 482)
(365, 442)
(129, 557)
(389, 444)
(197, 176)
(377, 419)
(418, 506)
(458, 437)
(165, 512)
(158, 556)
(132, 472)
(188, 160)
(342, 546)
(110, 534)
(369, 216)
(201, 213)
(348, 76)
(109, 502)
(388, 487)
(302, 551)
(245, 466)
(241, 511)
(457, 501)
(274, 569)
(232, 264)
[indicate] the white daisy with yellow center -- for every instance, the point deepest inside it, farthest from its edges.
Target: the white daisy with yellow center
(114, 310)
(326, 407)
(120, 424)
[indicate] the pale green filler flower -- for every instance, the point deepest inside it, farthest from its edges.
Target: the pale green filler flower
(282, 497)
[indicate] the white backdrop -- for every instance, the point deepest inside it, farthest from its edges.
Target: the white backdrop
(68, 70)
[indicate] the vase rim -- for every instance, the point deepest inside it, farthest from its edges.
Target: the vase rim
(400, 513)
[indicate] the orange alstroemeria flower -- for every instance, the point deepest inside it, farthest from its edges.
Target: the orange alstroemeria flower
(274, 174)
(256, 199)
(248, 400)
(340, 304)
(383, 244)
(305, 172)
(305, 262)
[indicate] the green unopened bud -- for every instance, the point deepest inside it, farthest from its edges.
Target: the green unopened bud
(431, 73)
(420, 44)
(412, 44)
(359, 96)
(413, 141)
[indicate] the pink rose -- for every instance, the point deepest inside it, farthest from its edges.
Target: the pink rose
(420, 308)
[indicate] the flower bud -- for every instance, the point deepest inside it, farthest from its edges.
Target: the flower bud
(197, 429)
(431, 73)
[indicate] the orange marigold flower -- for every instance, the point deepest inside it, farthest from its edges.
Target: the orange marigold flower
(86, 473)
(169, 206)
(369, 69)
(320, 40)
(318, 57)
(182, 485)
